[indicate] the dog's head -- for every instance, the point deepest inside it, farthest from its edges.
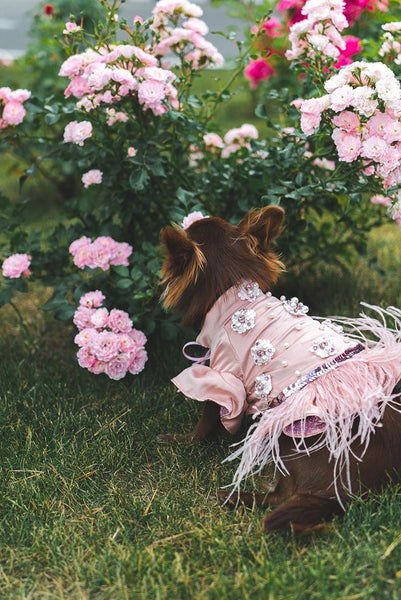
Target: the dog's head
(209, 257)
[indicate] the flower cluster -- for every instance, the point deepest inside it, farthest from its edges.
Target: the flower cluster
(391, 46)
(12, 104)
(319, 32)
(102, 252)
(188, 39)
(16, 265)
(107, 341)
(108, 75)
(234, 140)
(76, 132)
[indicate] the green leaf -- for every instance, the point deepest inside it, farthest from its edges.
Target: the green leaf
(138, 180)
(124, 284)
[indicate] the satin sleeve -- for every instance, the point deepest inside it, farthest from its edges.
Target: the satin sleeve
(202, 383)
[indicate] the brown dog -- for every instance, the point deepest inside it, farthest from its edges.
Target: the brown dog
(203, 265)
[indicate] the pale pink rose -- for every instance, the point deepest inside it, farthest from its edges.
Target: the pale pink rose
(86, 360)
(139, 337)
(363, 101)
(82, 317)
(131, 151)
(374, 147)
(98, 367)
(94, 176)
(138, 19)
(92, 299)
(151, 93)
(101, 252)
(76, 132)
(119, 321)
(85, 336)
(82, 257)
(348, 145)
(341, 98)
(71, 27)
(348, 121)
(78, 87)
(78, 244)
(117, 367)
(121, 253)
(191, 218)
(310, 122)
(231, 149)
(213, 140)
(138, 360)
(105, 346)
(377, 124)
(392, 131)
(72, 66)
(13, 113)
(127, 344)
(19, 95)
(100, 318)
(380, 199)
(16, 265)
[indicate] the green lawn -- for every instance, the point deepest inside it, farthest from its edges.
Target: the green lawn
(94, 507)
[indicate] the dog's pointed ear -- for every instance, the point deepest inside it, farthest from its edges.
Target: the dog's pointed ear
(264, 224)
(182, 252)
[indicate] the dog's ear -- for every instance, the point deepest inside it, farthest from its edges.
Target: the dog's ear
(263, 224)
(183, 254)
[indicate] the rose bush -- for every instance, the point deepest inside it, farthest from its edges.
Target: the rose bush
(131, 147)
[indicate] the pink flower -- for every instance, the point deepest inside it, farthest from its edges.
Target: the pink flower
(258, 70)
(127, 344)
(352, 46)
(138, 336)
(71, 27)
(348, 145)
(92, 299)
(151, 93)
(13, 113)
(94, 176)
(213, 140)
(191, 218)
(105, 346)
(119, 321)
(117, 367)
(76, 245)
(121, 253)
(374, 147)
(86, 359)
(131, 151)
(100, 318)
(76, 132)
(82, 317)
(138, 360)
(347, 120)
(380, 199)
(16, 265)
(85, 336)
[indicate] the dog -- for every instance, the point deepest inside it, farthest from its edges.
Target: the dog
(324, 397)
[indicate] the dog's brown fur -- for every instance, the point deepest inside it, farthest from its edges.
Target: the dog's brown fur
(200, 265)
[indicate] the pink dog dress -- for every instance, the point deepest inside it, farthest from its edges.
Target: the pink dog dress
(297, 375)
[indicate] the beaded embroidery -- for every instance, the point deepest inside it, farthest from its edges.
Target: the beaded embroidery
(294, 306)
(249, 290)
(243, 320)
(263, 386)
(262, 352)
(323, 347)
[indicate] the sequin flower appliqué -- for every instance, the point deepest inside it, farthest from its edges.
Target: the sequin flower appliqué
(243, 320)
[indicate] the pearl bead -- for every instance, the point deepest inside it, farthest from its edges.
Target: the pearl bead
(286, 345)
(284, 363)
(269, 303)
(298, 327)
(297, 373)
(321, 327)
(272, 315)
(268, 294)
(282, 298)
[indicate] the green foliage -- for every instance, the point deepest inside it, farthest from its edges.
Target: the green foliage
(171, 172)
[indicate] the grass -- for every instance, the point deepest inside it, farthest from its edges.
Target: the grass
(92, 506)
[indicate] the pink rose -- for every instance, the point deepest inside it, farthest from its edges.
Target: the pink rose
(139, 337)
(76, 245)
(258, 70)
(117, 367)
(105, 346)
(127, 344)
(82, 317)
(94, 176)
(85, 358)
(347, 120)
(71, 27)
(16, 265)
(119, 321)
(14, 113)
(138, 360)
(348, 145)
(100, 318)
(76, 132)
(131, 152)
(92, 299)
(121, 252)
(85, 336)
(191, 218)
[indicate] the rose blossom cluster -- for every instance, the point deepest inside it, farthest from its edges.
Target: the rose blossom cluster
(186, 40)
(352, 11)
(108, 75)
(16, 265)
(319, 33)
(12, 105)
(391, 46)
(234, 140)
(108, 342)
(102, 252)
